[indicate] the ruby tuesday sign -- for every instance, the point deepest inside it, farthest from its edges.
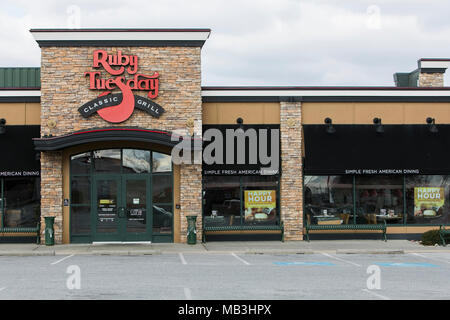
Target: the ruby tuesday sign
(118, 107)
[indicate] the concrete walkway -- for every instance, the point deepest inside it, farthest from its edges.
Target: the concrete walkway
(242, 247)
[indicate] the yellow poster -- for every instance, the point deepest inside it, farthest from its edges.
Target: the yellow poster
(260, 205)
(428, 201)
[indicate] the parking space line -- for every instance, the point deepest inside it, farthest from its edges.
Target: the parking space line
(60, 260)
(304, 264)
(183, 261)
(429, 258)
(406, 264)
(240, 259)
(376, 294)
(188, 293)
(339, 259)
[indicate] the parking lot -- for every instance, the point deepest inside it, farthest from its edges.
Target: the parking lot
(193, 276)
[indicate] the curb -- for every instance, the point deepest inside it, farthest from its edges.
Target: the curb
(370, 251)
(26, 253)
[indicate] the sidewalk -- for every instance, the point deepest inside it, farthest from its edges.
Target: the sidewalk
(241, 247)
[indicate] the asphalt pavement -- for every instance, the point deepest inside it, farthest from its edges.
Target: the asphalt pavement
(227, 276)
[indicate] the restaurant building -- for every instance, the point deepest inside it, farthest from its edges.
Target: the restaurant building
(89, 138)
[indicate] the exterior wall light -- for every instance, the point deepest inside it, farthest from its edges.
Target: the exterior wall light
(240, 122)
(330, 129)
(377, 122)
(2, 126)
(432, 125)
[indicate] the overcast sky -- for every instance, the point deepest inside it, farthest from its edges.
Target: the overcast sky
(261, 42)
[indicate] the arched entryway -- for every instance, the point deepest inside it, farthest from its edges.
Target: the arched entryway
(112, 184)
(121, 194)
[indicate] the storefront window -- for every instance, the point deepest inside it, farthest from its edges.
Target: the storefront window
(328, 199)
(136, 161)
(81, 163)
(21, 202)
(107, 161)
(221, 200)
(161, 162)
(428, 199)
(231, 200)
(378, 199)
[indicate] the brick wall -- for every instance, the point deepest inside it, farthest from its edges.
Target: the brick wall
(64, 88)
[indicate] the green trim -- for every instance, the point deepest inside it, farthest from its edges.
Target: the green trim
(405, 213)
(2, 205)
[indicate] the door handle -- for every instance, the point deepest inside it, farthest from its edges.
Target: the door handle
(121, 212)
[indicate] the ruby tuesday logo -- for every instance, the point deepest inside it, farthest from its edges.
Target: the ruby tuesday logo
(118, 107)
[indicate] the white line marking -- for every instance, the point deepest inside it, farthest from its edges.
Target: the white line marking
(376, 294)
(60, 260)
(339, 259)
(240, 259)
(3, 288)
(183, 261)
(429, 258)
(187, 293)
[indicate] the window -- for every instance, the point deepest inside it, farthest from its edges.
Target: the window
(136, 161)
(234, 200)
(328, 199)
(379, 198)
(21, 202)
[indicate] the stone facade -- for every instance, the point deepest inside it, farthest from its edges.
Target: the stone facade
(434, 79)
(52, 192)
(291, 193)
(64, 88)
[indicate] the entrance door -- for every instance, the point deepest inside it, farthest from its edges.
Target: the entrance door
(121, 210)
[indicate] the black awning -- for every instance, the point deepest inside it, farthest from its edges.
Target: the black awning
(359, 149)
(17, 154)
(104, 134)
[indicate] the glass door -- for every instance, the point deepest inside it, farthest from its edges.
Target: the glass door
(136, 207)
(107, 208)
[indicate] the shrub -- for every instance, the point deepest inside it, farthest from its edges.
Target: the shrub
(430, 238)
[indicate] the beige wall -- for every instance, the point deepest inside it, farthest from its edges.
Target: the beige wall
(21, 113)
(250, 112)
(363, 113)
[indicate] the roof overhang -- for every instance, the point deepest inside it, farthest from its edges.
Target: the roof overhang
(325, 94)
(51, 143)
(436, 64)
(20, 94)
(121, 37)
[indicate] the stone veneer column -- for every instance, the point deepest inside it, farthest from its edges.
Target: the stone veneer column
(291, 193)
(51, 192)
(434, 79)
(191, 198)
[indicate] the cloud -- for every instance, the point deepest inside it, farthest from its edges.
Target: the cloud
(266, 42)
